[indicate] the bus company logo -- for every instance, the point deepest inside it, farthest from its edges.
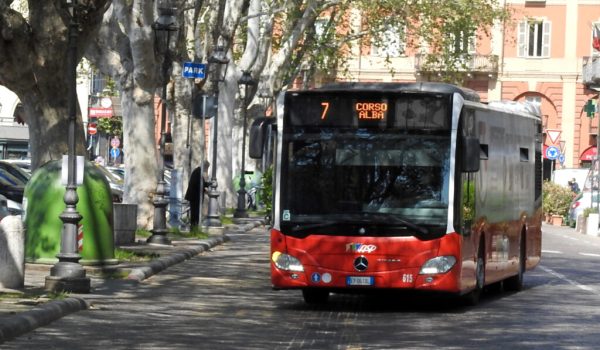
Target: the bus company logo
(360, 248)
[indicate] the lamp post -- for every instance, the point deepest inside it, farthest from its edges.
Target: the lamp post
(164, 27)
(67, 274)
(240, 212)
(218, 65)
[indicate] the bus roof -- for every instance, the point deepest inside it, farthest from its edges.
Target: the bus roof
(442, 88)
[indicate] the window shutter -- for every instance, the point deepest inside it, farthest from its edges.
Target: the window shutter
(522, 39)
(546, 39)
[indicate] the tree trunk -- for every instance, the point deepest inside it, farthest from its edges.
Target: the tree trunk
(140, 153)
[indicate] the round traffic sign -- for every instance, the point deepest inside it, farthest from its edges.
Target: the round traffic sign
(92, 128)
(552, 152)
(115, 142)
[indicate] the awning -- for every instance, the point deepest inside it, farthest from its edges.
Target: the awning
(589, 154)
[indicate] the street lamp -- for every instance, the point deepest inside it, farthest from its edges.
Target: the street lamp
(67, 274)
(218, 65)
(164, 28)
(245, 81)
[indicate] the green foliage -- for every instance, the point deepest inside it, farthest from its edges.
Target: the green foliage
(132, 256)
(143, 233)
(266, 191)
(111, 126)
(556, 199)
(588, 211)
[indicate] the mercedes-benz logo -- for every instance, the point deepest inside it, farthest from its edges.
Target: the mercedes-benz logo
(361, 263)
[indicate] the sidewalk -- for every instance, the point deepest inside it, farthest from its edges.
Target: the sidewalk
(22, 311)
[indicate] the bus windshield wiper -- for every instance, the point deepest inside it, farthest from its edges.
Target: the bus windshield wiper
(396, 220)
(313, 225)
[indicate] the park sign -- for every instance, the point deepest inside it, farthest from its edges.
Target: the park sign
(194, 70)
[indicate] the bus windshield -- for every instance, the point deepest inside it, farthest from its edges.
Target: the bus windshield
(344, 174)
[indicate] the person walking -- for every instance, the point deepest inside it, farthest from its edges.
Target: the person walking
(196, 188)
(574, 186)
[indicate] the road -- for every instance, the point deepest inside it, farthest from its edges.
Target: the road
(222, 300)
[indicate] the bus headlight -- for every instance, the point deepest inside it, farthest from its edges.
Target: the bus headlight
(440, 264)
(286, 262)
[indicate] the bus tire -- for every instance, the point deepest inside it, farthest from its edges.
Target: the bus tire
(472, 298)
(315, 296)
(515, 283)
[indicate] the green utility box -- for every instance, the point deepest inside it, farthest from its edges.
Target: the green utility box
(43, 204)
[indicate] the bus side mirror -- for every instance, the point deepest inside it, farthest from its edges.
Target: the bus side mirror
(259, 131)
(471, 157)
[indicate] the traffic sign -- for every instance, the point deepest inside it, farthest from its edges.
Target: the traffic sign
(92, 128)
(553, 134)
(552, 152)
(194, 70)
(114, 153)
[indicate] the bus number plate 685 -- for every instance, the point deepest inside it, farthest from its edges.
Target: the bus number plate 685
(360, 280)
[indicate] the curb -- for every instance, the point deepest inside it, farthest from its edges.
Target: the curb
(42, 315)
(155, 266)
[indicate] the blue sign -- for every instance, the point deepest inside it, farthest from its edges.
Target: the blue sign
(552, 152)
(114, 153)
(561, 159)
(194, 70)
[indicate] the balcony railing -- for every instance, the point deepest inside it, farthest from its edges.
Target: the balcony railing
(487, 64)
(591, 70)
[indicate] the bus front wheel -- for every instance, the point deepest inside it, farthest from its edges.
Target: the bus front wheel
(472, 298)
(315, 296)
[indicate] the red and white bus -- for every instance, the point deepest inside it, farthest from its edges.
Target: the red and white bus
(415, 186)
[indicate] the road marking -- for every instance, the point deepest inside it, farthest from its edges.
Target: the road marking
(590, 254)
(552, 251)
(564, 278)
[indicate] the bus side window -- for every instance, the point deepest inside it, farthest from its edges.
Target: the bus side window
(467, 203)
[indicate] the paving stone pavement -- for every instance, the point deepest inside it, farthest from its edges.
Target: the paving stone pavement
(22, 311)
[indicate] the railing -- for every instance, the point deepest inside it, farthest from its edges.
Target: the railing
(473, 63)
(591, 70)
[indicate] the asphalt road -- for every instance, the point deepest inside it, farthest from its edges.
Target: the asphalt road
(222, 300)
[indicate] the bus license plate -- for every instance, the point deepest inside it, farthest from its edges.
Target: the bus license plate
(360, 280)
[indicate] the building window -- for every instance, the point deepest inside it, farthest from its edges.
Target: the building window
(462, 42)
(595, 38)
(391, 44)
(534, 38)
(534, 100)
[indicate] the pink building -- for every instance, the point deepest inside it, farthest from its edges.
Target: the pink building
(540, 58)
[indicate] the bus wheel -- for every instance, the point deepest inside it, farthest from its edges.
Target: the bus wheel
(315, 296)
(472, 298)
(515, 283)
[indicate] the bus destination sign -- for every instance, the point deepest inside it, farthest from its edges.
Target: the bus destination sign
(371, 110)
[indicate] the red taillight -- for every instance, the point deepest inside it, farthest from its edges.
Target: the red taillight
(575, 205)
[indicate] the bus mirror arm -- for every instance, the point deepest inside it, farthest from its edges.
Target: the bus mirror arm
(471, 157)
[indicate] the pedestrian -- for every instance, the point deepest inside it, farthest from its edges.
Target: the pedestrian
(574, 186)
(195, 192)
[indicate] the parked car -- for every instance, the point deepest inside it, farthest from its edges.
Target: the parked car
(580, 203)
(24, 164)
(15, 171)
(115, 182)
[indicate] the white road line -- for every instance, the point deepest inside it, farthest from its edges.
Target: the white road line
(564, 278)
(552, 251)
(590, 254)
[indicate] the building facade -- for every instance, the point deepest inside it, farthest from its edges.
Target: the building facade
(538, 57)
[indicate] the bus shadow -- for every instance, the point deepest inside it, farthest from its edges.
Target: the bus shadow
(394, 301)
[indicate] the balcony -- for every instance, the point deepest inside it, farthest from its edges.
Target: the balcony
(591, 71)
(479, 64)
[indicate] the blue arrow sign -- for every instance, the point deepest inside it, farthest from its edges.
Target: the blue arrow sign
(114, 153)
(552, 152)
(193, 70)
